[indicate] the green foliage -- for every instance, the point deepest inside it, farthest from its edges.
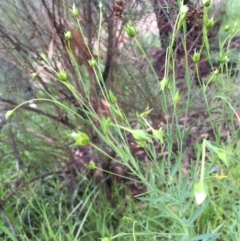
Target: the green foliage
(45, 195)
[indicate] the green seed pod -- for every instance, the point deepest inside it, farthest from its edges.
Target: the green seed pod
(91, 165)
(9, 114)
(62, 75)
(177, 97)
(92, 62)
(130, 30)
(74, 11)
(184, 9)
(196, 57)
(81, 138)
(34, 75)
(208, 23)
(206, 3)
(200, 191)
(226, 28)
(68, 35)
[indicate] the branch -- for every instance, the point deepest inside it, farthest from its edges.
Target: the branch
(24, 184)
(109, 49)
(8, 221)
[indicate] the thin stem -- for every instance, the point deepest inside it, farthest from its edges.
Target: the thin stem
(148, 60)
(101, 151)
(203, 161)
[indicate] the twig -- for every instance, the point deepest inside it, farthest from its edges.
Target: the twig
(24, 184)
(4, 214)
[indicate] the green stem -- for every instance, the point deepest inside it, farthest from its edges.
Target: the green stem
(203, 161)
(103, 152)
(148, 60)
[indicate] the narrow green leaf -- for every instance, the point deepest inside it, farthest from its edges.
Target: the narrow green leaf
(206, 237)
(8, 233)
(198, 212)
